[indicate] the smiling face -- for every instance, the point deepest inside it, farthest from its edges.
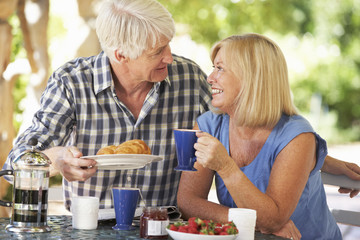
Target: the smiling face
(152, 64)
(224, 84)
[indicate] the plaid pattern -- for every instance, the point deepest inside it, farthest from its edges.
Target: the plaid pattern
(79, 107)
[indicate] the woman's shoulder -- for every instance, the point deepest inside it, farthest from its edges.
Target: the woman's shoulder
(288, 128)
(295, 122)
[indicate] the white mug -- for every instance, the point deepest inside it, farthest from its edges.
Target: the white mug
(245, 221)
(85, 212)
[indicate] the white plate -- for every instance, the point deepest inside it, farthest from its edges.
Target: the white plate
(120, 166)
(123, 161)
(189, 236)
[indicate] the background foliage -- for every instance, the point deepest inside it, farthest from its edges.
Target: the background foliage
(319, 39)
(326, 37)
(17, 51)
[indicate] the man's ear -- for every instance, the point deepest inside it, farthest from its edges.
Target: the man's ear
(120, 57)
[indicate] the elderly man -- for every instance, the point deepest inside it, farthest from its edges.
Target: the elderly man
(134, 89)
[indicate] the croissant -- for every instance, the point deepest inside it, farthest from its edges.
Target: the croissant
(107, 150)
(135, 146)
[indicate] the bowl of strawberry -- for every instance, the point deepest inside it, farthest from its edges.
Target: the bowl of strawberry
(199, 229)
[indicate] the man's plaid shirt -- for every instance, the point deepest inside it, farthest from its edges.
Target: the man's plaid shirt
(79, 107)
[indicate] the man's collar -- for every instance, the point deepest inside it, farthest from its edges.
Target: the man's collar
(103, 78)
(102, 73)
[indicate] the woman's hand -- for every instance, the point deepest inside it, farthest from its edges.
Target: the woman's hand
(210, 152)
(289, 230)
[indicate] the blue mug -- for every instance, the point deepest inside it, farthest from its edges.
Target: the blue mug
(125, 203)
(185, 151)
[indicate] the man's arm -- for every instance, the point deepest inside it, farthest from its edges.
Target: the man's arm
(338, 167)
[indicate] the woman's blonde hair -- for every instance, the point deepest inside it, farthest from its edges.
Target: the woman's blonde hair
(132, 26)
(261, 69)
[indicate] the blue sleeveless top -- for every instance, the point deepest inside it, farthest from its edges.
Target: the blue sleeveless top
(312, 216)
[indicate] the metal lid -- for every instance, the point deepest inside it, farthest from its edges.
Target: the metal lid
(31, 158)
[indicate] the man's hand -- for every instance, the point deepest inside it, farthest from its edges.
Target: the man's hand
(67, 161)
(338, 167)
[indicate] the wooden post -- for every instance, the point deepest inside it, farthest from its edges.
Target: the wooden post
(7, 132)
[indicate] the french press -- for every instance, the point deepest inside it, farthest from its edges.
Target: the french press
(30, 191)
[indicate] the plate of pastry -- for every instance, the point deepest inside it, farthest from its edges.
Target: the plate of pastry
(123, 161)
(131, 154)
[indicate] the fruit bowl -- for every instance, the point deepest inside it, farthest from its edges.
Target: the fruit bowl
(190, 236)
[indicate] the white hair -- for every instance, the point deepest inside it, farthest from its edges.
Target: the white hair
(132, 26)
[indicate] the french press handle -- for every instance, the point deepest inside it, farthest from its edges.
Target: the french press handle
(2, 173)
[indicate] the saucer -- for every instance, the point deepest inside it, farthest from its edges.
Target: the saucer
(123, 227)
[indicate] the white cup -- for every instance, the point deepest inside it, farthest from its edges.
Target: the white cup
(85, 212)
(245, 221)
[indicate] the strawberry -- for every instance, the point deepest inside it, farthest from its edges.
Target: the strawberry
(193, 230)
(173, 227)
(192, 219)
(232, 230)
(225, 228)
(183, 229)
(198, 221)
(206, 222)
(217, 230)
(204, 231)
(192, 224)
(231, 223)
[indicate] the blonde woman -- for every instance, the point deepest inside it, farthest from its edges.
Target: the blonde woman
(263, 155)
